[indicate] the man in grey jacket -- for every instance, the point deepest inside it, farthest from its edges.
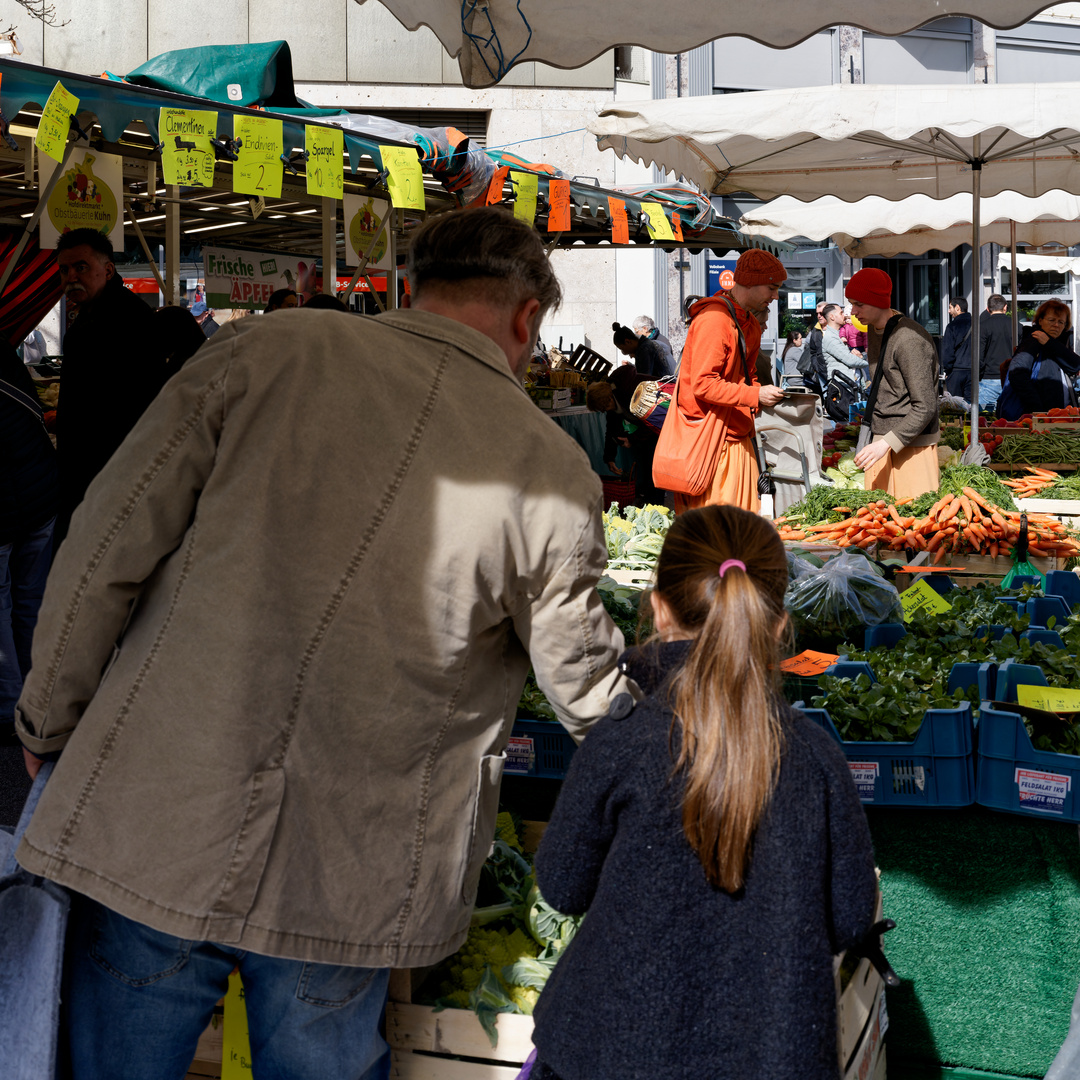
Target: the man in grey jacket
(838, 357)
(282, 650)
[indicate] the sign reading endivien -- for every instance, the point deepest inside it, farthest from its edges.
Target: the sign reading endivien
(1042, 791)
(865, 774)
(258, 168)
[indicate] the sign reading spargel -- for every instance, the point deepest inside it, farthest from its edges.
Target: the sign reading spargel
(865, 774)
(1042, 791)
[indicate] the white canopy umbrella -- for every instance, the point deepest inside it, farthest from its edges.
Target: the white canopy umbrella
(855, 141)
(1055, 264)
(876, 227)
(490, 36)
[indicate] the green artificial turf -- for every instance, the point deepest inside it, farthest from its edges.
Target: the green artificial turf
(987, 942)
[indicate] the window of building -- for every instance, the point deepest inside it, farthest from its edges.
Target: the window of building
(1039, 52)
(940, 53)
(741, 64)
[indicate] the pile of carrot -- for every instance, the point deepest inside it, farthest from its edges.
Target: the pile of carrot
(1034, 481)
(960, 524)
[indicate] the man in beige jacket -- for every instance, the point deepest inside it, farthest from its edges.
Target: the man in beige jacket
(281, 651)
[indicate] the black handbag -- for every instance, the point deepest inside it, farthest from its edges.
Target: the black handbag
(840, 395)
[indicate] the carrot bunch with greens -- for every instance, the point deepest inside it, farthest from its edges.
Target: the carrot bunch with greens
(1032, 482)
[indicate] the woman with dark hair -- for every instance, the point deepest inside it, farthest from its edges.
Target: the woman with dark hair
(789, 358)
(649, 359)
(1043, 369)
(717, 830)
(282, 298)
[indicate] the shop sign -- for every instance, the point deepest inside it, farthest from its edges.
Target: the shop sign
(363, 216)
(325, 163)
(520, 755)
(1042, 791)
(258, 168)
(721, 274)
(245, 279)
(89, 195)
(865, 774)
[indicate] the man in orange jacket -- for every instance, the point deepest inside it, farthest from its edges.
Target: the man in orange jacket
(717, 376)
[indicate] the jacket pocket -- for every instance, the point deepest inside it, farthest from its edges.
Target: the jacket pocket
(253, 839)
(485, 810)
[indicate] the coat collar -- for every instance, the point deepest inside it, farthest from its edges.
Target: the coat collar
(651, 665)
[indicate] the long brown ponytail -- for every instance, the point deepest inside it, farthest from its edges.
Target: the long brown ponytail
(726, 695)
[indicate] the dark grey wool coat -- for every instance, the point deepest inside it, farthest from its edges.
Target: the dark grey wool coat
(668, 976)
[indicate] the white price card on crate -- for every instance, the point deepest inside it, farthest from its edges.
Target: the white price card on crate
(1042, 791)
(520, 754)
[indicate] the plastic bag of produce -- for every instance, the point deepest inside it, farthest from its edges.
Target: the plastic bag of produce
(839, 601)
(798, 566)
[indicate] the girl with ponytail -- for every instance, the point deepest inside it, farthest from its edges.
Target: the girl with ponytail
(714, 837)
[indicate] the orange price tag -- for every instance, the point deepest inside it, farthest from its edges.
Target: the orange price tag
(676, 227)
(620, 227)
(808, 663)
(495, 188)
(559, 214)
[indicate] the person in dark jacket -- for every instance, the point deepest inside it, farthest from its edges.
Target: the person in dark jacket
(647, 355)
(624, 429)
(995, 347)
(646, 328)
(956, 350)
(28, 501)
(1043, 372)
(715, 838)
(112, 369)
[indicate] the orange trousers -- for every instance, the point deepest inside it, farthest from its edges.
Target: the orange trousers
(909, 474)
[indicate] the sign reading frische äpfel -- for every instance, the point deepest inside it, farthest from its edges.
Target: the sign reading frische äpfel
(245, 279)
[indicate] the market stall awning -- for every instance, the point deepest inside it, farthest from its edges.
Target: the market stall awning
(877, 227)
(1054, 264)
(489, 37)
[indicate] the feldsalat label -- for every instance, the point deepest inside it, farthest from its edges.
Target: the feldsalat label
(1042, 791)
(519, 755)
(865, 773)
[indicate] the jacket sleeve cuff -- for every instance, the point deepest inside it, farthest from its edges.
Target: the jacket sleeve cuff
(896, 444)
(40, 747)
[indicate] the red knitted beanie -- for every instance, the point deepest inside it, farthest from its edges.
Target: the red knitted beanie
(870, 286)
(757, 267)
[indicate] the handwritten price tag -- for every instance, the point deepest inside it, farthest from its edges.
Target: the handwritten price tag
(620, 227)
(808, 663)
(559, 197)
(921, 597)
(676, 227)
(1051, 698)
(495, 188)
(527, 189)
(406, 180)
(258, 169)
(325, 165)
(658, 225)
(236, 1045)
(187, 156)
(55, 122)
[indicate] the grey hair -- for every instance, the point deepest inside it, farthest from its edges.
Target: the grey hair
(642, 322)
(462, 246)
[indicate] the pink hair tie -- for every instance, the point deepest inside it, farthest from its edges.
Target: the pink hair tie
(729, 563)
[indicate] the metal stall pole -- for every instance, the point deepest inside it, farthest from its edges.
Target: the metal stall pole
(1012, 246)
(146, 249)
(392, 274)
(384, 224)
(329, 246)
(31, 225)
(172, 246)
(976, 262)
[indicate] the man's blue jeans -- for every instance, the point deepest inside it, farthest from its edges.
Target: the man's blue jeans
(136, 1002)
(24, 566)
(989, 392)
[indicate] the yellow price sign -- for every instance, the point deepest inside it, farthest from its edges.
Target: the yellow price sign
(1052, 698)
(325, 163)
(55, 122)
(658, 225)
(922, 597)
(258, 168)
(526, 192)
(187, 156)
(406, 180)
(236, 1045)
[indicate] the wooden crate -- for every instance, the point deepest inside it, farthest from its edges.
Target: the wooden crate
(1070, 424)
(1059, 466)
(207, 1061)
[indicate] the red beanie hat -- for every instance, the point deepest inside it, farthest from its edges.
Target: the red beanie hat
(757, 267)
(870, 286)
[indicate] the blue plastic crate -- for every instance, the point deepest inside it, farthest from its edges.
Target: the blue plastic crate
(1063, 583)
(1041, 634)
(540, 748)
(1015, 777)
(1011, 674)
(1040, 608)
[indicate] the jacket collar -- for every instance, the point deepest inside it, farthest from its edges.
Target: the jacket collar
(651, 665)
(449, 331)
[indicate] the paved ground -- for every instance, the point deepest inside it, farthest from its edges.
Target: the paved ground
(14, 784)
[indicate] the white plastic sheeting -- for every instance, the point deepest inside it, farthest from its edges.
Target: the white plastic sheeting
(879, 227)
(1056, 264)
(490, 36)
(854, 141)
